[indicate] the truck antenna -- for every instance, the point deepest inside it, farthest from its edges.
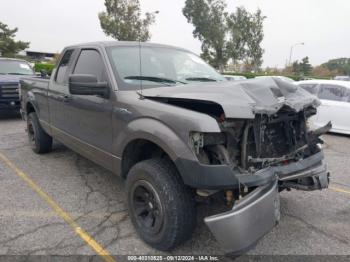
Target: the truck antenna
(140, 59)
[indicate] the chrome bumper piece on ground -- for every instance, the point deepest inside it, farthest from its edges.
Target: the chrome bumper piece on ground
(250, 219)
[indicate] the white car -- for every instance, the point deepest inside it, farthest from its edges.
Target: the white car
(342, 78)
(288, 79)
(234, 77)
(335, 103)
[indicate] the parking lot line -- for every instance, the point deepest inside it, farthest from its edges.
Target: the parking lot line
(339, 190)
(74, 225)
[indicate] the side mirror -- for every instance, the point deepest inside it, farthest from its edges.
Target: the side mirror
(81, 84)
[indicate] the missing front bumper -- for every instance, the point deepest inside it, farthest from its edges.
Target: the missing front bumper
(255, 215)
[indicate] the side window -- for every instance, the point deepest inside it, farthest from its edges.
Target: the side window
(311, 88)
(62, 67)
(90, 62)
(332, 92)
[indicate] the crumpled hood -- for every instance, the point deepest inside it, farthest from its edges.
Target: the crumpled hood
(242, 99)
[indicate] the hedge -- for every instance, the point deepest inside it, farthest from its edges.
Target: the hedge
(41, 66)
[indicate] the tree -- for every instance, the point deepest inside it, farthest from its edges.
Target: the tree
(246, 35)
(8, 46)
(239, 27)
(255, 37)
(122, 20)
(225, 36)
(209, 19)
(303, 68)
(323, 71)
(342, 65)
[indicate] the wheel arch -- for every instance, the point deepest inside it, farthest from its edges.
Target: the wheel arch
(140, 149)
(30, 108)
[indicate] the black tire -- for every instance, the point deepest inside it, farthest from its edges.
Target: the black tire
(173, 204)
(39, 140)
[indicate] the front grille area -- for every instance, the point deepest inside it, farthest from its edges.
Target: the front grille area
(277, 135)
(9, 92)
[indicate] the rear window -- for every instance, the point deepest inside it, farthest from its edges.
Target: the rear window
(333, 93)
(311, 88)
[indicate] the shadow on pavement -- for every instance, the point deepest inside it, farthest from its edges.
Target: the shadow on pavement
(13, 114)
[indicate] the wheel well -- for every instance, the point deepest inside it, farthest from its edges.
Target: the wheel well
(139, 150)
(30, 108)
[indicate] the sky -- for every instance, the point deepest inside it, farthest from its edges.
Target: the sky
(323, 25)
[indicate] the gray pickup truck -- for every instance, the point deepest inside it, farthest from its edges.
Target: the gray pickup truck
(178, 132)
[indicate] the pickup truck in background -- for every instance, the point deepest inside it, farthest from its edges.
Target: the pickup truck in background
(176, 131)
(11, 70)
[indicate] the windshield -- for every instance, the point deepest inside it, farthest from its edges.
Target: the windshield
(159, 66)
(14, 67)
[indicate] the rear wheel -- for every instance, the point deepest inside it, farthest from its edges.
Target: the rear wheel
(39, 140)
(161, 207)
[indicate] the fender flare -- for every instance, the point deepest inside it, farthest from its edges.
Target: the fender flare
(155, 131)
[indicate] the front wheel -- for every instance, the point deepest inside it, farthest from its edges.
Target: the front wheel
(161, 207)
(39, 140)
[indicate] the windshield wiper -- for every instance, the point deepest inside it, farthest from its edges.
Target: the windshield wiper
(155, 79)
(201, 79)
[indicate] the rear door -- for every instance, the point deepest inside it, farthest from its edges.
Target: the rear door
(58, 92)
(335, 107)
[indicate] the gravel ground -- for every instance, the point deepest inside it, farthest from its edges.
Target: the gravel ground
(311, 223)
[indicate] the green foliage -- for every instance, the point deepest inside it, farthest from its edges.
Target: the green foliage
(303, 68)
(41, 66)
(209, 20)
(225, 36)
(122, 21)
(8, 46)
(342, 65)
(246, 34)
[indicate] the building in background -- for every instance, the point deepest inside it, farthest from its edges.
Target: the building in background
(40, 56)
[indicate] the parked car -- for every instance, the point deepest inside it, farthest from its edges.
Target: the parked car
(11, 70)
(335, 103)
(342, 78)
(234, 77)
(284, 78)
(173, 128)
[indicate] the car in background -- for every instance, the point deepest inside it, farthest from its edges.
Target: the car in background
(11, 70)
(342, 78)
(234, 77)
(288, 79)
(335, 103)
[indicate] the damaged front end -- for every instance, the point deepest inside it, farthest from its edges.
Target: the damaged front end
(265, 146)
(267, 154)
(253, 146)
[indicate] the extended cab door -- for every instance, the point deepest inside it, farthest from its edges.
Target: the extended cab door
(84, 122)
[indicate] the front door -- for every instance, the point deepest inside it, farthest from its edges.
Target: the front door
(84, 122)
(334, 107)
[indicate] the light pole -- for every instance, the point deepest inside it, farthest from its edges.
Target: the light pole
(291, 51)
